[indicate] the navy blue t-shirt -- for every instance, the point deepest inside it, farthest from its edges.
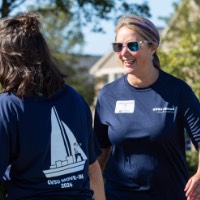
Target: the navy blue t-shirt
(49, 145)
(145, 127)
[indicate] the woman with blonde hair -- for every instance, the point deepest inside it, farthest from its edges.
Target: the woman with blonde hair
(140, 121)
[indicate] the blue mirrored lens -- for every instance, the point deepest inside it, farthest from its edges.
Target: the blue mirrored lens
(133, 46)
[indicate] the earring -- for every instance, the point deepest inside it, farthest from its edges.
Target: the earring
(152, 57)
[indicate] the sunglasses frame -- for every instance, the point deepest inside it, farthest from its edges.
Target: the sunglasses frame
(128, 45)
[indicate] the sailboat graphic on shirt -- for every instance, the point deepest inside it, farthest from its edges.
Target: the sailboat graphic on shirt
(66, 154)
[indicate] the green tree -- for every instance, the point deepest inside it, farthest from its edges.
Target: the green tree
(68, 17)
(64, 21)
(192, 161)
(180, 56)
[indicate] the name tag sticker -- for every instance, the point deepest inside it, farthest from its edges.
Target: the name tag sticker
(125, 106)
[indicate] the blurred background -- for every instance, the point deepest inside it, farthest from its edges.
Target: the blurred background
(80, 33)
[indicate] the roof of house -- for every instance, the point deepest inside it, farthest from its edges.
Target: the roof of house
(195, 6)
(83, 61)
(105, 61)
(170, 36)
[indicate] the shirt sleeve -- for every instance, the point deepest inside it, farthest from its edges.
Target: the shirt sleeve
(101, 129)
(94, 149)
(4, 148)
(191, 116)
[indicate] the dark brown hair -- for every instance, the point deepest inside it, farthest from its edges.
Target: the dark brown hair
(26, 65)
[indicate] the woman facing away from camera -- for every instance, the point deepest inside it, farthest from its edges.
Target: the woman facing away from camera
(140, 120)
(45, 125)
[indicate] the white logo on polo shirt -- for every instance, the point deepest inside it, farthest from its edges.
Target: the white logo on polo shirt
(164, 110)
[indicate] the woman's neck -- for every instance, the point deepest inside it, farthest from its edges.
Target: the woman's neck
(144, 80)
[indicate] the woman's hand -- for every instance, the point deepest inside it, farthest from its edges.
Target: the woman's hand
(192, 188)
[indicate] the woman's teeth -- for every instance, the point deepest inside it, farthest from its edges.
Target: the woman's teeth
(129, 61)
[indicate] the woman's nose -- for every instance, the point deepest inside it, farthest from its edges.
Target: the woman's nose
(124, 50)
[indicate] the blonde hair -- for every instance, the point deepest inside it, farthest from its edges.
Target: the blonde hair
(145, 28)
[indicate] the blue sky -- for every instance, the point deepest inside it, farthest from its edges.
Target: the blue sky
(100, 44)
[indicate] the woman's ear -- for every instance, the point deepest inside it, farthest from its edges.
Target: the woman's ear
(153, 48)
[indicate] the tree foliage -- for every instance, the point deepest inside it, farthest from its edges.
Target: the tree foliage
(65, 19)
(63, 23)
(192, 161)
(180, 56)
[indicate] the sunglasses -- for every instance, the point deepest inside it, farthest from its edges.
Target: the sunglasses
(132, 46)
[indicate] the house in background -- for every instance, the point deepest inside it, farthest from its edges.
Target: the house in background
(106, 69)
(82, 64)
(187, 8)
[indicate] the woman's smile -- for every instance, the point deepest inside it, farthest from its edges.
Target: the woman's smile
(129, 62)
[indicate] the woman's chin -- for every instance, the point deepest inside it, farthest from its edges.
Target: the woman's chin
(129, 70)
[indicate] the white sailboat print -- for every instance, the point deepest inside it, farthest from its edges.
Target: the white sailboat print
(66, 154)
